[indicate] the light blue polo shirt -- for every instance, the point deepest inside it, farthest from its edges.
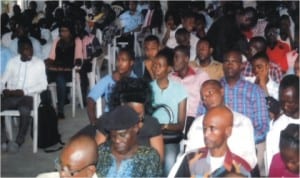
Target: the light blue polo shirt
(170, 96)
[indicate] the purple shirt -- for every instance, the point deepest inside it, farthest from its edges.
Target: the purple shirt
(278, 169)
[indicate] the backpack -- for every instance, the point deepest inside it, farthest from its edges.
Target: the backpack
(48, 134)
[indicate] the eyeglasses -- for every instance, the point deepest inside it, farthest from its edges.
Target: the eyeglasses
(65, 169)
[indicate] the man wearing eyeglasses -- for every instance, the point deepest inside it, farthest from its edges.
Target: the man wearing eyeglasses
(77, 159)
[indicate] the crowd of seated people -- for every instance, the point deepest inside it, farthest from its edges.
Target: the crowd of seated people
(225, 76)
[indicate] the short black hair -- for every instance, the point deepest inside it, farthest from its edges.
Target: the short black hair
(289, 137)
(259, 39)
(181, 32)
(184, 49)
(175, 16)
(260, 55)
(151, 38)
(168, 54)
(290, 81)
(205, 39)
(253, 15)
(129, 52)
(235, 51)
(24, 41)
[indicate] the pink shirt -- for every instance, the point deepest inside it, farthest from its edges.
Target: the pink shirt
(278, 169)
(78, 49)
(192, 83)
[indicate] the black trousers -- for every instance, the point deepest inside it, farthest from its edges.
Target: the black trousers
(24, 105)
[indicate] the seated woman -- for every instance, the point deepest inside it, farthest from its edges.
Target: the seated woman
(66, 52)
(172, 94)
(286, 162)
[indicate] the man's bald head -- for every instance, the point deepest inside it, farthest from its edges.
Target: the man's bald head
(80, 152)
(217, 127)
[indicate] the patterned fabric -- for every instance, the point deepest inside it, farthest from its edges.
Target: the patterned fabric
(274, 71)
(199, 162)
(249, 99)
(144, 163)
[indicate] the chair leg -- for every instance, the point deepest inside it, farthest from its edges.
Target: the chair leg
(78, 92)
(8, 127)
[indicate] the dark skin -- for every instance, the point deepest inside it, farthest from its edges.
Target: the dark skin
(181, 63)
(79, 156)
(217, 127)
(26, 53)
(232, 67)
(204, 52)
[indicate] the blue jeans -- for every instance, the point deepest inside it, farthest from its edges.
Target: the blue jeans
(171, 152)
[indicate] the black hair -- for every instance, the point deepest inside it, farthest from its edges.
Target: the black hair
(130, 89)
(175, 16)
(235, 51)
(290, 81)
(187, 14)
(259, 39)
(181, 32)
(151, 38)
(270, 26)
(200, 17)
(184, 49)
(253, 15)
(69, 24)
(168, 54)
(289, 137)
(129, 52)
(205, 39)
(260, 55)
(24, 41)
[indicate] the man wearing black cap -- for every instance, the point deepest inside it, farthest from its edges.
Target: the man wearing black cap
(121, 156)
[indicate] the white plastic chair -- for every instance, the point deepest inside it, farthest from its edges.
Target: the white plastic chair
(75, 90)
(9, 114)
(94, 75)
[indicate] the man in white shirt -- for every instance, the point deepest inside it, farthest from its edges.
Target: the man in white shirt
(289, 102)
(24, 75)
(241, 141)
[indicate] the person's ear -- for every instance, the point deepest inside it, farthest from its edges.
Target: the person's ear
(91, 170)
(222, 92)
(211, 50)
(136, 128)
(228, 131)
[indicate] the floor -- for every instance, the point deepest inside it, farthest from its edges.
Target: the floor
(27, 164)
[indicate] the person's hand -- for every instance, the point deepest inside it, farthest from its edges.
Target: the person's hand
(19, 92)
(78, 62)
(116, 76)
(6, 92)
(48, 62)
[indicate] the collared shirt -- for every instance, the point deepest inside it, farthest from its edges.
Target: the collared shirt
(130, 21)
(144, 163)
(240, 142)
(192, 82)
(247, 98)
(272, 86)
(104, 88)
(198, 163)
(273, 136)
(171, 96)
(274, 71)
(28, 76)
(214, 69)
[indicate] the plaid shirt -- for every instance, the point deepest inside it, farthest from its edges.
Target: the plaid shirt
(249, 99)
(274, 71)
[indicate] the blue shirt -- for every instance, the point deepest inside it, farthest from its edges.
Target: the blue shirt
(171, 96)
(6, 55)
(247, 98)
(104, 88)
(130, 22)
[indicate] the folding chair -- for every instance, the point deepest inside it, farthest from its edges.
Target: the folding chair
(9, 114)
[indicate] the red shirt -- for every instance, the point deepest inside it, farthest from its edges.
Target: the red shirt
(278, 169)
(278, 55)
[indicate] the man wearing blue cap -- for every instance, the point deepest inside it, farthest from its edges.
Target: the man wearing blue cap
(121, 156)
